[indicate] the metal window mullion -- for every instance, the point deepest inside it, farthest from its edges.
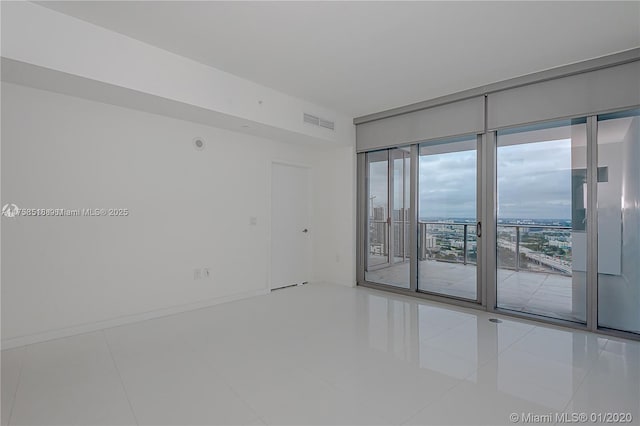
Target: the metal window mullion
(489, 191)
(592, 223)
(480, 290)
(362, 223)
(406, 224)
(413, 219)
(390, 206)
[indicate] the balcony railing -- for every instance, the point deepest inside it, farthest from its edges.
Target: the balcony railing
(537, 248)
(533, 250)
(447, 242)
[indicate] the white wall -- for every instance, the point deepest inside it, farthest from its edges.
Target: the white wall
(188, 209)
(335, 204)
(40, 36)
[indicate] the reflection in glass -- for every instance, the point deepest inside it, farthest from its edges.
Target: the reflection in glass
(389, 193)
(378, 173)
(619, 221)
(447, 245)
(541, 229)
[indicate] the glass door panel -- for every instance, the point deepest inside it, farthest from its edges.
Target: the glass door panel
(388, 259)
(447, 217)
(541, 241)
(378, 208)
(401, 198)
(619, 221)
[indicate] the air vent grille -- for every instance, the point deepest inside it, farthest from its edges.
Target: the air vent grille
(311, 119)
(326, 124)
(317, 121)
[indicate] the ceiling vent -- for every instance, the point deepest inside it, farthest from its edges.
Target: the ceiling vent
(316, 121)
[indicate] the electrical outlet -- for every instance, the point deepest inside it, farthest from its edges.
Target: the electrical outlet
(253, 221)
(197, 274)
(337, 258)
(206, 273)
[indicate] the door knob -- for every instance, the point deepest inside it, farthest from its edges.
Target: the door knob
(305, 230)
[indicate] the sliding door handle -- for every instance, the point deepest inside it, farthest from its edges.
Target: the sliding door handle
(479, 229)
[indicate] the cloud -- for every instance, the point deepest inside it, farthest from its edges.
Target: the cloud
(534, 182)
(447, 184)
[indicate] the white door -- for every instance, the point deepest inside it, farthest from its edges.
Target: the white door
(290, 231)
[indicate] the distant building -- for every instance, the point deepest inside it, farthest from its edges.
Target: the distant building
(560, 244)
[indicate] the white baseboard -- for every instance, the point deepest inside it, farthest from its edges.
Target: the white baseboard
(128, 319)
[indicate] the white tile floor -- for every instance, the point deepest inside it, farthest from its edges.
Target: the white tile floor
(319, 354)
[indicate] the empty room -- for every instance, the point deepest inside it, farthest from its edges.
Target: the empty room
(320, 212)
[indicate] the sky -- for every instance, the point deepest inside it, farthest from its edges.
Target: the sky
(534, 182)
(447, 184)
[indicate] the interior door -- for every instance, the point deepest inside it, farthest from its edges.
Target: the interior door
(290, 231)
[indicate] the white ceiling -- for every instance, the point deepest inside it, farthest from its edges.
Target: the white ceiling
(364, 57)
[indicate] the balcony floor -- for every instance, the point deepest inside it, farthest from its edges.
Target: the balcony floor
(539, 293)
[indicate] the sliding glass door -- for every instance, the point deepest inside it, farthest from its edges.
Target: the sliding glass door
(560, 205)
(541, 241)
(388, 197)
(447, 217)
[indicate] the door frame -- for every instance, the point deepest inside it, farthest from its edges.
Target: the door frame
(269, 181)
(391, 157)
(363, 228)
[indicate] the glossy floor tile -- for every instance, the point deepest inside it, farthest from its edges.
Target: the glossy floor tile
(10, 374)
(322, 355)
(170, 382)
(71, 381)
(613, 384)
